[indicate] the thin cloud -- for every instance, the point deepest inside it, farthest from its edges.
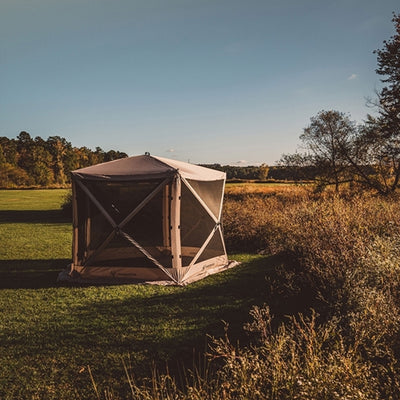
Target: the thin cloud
(245, 163)
(352, 77)
(170, 150)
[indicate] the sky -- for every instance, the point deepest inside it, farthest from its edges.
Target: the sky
(205, 81)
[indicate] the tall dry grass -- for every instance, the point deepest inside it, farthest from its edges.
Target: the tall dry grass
(344, 262)
(335, 297)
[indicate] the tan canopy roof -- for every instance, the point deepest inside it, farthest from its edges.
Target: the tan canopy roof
(146, 167)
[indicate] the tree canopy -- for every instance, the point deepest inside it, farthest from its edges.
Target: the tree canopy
(27, 161)
(338, 151)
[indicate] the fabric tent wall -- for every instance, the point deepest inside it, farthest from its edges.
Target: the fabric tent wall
(147, 218)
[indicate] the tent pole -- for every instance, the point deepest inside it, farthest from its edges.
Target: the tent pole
(176, 222)
(221, 201)
(143, 203)
(220, 216)
(166, 217)
(74, 225)
(210, 236)
(97, 203)
(147, 254)
(88, 225)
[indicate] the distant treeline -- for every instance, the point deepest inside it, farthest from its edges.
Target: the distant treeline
(35, 162)
(264, 172)
(27, 161)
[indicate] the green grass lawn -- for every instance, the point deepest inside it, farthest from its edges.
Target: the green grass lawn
(50, 334)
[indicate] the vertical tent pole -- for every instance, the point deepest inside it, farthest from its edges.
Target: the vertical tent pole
(220, 216)
(176, 222)
(88, 225)
(74, 225)
(165, 216)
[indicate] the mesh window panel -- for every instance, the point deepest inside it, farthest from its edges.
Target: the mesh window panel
(97, 228)
(120, 253)
(210, 192)
(146, 228)
(214, 248)
(120, 198)
(196, 223)
(93, 228)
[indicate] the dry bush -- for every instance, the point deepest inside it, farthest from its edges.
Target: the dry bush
(301, 360)
(252, 218)
(343, 257)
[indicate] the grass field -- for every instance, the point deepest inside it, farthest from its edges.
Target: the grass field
(50, 334)
(328, 327)
(259, 188)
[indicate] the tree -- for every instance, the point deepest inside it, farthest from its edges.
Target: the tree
(297, 167)
(263, 170)
(24, 147)
(114, 155)
(41, 171)
(382, 134)
(10, 152)
(25, 161)
(2, 156)
(389, 68)
(327, 143)
(59, 149)
(368, 154)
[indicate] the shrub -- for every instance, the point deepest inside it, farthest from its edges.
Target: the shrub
(336, 298)
(300, 360)
(344, 259)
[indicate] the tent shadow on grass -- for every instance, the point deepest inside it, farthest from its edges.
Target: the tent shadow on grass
(33, 216)
(154, 323)
(30, 274)
(195, 311)
(101, 327)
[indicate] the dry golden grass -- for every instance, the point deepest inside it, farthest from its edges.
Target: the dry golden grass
(261, 188)
(335, 295)
(344, 262)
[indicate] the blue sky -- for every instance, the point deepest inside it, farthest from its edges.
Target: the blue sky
(225, 81)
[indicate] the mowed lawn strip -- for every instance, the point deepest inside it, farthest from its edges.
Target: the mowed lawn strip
(35, 237)
(46, 199)
(50, 334)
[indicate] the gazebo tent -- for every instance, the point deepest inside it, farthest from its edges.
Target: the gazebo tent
(147, 218)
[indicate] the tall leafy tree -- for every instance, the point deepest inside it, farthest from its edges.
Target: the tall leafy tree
(59, 149)
(389, 97)
(25, 144)
(367, 154)
(326, 142)
(2, 156)
(378, 143)
(25, 161)
(42, 160)
(10, 152)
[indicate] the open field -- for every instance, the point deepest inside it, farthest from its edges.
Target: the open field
(50, 334)
(260, 188)
(329, 326)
